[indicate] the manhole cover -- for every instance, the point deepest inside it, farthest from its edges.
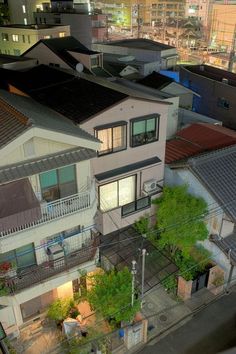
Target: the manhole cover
(163, 318)
(150, 306)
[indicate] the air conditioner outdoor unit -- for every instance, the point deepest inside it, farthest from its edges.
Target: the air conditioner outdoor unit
(150, 186)
(56, 255)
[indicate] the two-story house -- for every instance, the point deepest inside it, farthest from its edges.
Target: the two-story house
(129, 167)
(47, 207)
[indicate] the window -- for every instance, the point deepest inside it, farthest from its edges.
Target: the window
(94, 61)
(23, 38)
(28, 147)
(223, 103)
(60, 183)
(25, 21)
(144, 130)
(118, 193)
(113, 138)
(23, 9)
(15, 38)
(62, 34)
(28, 38)
(23, 256)
(5, 37)
(136, 206)
(47, 36)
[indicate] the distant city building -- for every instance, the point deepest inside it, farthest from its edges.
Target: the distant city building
(16, 39)
(22, 11)
(198, 9)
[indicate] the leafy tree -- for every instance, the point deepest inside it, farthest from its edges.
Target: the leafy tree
(60, 309)
(180, 220)
(110, 294)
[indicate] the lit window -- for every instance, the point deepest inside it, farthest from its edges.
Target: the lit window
(25, 21)
(15, 38)
(118, 193)
(5, 37)
(62, 34)
(113, 139)
(23, 9)
(47, 37)
(144, 130)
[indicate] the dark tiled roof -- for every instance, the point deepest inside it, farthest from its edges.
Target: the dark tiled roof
(127, 168)
(142, 43)
(217, 171)
(197, 138)
(12, 123)
(61, 46)
(43, 117)
(45, 163)
(155, 80)
(75, 98)
(227, 245)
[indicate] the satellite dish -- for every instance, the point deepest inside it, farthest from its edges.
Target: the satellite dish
(79, 67)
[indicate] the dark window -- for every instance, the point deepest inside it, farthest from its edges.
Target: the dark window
(113, 139)
(5, 37)
(60, 183)
(136, 206)
(22, 257)
(223, 103)
(144, 130)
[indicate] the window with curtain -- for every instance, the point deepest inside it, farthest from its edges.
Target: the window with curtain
(23, 256)
(113, 139)
(59, 183)
(144, 130)
(118, 193)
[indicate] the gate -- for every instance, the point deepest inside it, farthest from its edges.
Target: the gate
(200, 282)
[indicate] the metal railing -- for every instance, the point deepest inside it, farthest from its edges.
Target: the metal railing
(57, 209)
(35, 274)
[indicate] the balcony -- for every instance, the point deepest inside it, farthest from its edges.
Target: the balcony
(38, 273)
(57, 209)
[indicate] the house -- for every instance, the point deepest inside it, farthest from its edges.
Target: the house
(143, 54)
(47, 208)
(210, 175)
(129, 166)
(86, 25)
(16, 39)
(67, 53)
(217, 89)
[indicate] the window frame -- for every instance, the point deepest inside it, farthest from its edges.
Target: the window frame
(145, 118)
(136, 209)
(117, 181)
(112, 126)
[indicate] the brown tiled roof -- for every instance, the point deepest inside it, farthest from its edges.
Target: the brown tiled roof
(198, 138)
(12, 123)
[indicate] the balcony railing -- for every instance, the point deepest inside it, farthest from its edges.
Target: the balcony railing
(38, 273)
(57, 209)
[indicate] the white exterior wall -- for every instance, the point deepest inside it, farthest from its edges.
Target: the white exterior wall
(45, 56)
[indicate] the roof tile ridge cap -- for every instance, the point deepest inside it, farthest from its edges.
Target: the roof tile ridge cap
(189, 141)
(21, 117)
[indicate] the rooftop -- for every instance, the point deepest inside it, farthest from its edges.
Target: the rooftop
(31, 26)
(5, 59)
(62, 92)
(196, 139)
(217, 171)
(155, 80)
(212, 73)
(145, 44)
(62, 46)
(18, 113)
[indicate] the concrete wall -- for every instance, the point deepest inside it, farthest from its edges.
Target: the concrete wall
(210, 91)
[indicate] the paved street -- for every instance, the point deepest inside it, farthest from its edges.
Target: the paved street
(209, 332)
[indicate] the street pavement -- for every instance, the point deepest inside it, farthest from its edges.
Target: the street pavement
(210, 331)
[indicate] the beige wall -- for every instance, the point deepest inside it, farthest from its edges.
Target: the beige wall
(31, 36)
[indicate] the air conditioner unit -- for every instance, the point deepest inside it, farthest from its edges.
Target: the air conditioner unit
(150, 186)
(56, 255)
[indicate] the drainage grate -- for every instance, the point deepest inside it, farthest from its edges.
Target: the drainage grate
(163, 318)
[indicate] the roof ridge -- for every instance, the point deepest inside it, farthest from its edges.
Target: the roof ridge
(210, 155)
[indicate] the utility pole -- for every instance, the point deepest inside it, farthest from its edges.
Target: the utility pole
(232, 52)
(144, 253)
(133, 272)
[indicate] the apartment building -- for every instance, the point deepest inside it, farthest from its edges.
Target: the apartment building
(16, 39)
(48, 204)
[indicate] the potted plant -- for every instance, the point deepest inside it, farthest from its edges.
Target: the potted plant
(7, 269)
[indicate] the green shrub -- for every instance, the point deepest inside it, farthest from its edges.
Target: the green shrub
(60, 309)
(170, 283)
